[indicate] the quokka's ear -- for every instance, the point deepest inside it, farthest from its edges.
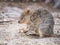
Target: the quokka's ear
(27, 11)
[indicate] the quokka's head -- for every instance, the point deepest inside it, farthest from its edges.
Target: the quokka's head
(24, 16)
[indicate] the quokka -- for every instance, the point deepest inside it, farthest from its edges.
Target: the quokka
(40, 21)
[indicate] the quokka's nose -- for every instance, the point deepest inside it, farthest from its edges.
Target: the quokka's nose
(18, 21)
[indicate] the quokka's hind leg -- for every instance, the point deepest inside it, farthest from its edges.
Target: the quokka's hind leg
(40, 33)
